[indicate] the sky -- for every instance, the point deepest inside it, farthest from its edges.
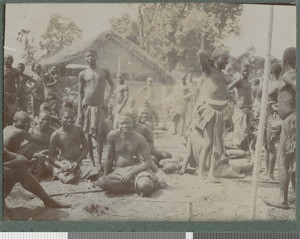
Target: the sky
(94, 18)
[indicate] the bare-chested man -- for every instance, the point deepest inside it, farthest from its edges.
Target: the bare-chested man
(27, 85)
(287, 141)
(122, 94)
(38, 96)
(91, 102)
(149, 89)
(11, 90)
(15, 164)
(72, 143)
(51, 82)
(212, 106)
(124, 170)
(243, 112)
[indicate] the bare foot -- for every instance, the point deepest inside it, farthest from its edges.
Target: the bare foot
(213, 180)
(55, 204)
(276, 204)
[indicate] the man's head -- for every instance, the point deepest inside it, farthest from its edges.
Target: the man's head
(53, 70)
(189, 77)
(91, 57)
(66, 116)
(38, 68)
(45, 107)
(149, 81)
(144, 186)
(22, 120)
(220, 57)
(134, 117)
(21, 68)
(121, 78)
(289, 57)
(245, 71)
(143, 114)
(183, 79)
(131, 102)
(125, 123)
(8, 60)
(276, 70)
(44, 119)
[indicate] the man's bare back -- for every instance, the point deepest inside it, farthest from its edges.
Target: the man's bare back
(13, 137)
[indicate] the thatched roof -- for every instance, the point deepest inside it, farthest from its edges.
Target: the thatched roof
(79, 48)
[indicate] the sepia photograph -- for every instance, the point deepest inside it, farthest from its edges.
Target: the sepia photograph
(149, 112)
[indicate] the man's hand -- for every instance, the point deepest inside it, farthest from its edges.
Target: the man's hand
(74, 166)
(182, 171)
(127, 178)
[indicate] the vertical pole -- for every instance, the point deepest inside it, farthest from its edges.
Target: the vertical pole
(262, 118)
(119, 65)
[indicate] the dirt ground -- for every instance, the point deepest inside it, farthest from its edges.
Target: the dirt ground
(184, 198)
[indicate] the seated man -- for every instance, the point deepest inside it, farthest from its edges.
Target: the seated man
(72, 143)
(15, 165)
(147, 133)
(124, 170)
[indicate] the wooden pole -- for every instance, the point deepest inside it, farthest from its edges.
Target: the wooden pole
(119, 65)
(262, 118)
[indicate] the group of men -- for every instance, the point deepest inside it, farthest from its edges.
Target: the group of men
(33, 143)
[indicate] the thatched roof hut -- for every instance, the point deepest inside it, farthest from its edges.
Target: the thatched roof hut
(116, 54)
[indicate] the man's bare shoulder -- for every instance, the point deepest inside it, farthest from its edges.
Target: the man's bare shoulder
(140, 138)
(56, 132)
(113, 134)
(13, 130)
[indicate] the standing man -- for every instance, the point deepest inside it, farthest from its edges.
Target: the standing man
(11, 90)
(25, 91)
(243, 112)
(211, 108)
(287, 142)
(91, 101)
(51, 81)
(149, 90)
(38, 96)
(122, 96)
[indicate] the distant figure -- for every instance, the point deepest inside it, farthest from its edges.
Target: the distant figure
(243, 112)
(91, 102)
(38, 96)
(122, 94)
(51, 81)
(11, 90)
(287, 141)
(183, 95)
(211, 107)
(125, 171)
(27, 85)
(149, 89)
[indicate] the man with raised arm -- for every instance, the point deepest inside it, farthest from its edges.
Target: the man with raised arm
(91, 101)
(211, 107)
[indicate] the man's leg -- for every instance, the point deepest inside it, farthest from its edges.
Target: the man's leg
(28, 181)
(90, 147)
(113, 184)
(206, 147)
(11, 177)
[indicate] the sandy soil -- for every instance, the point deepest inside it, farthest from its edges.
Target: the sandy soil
(184, 198)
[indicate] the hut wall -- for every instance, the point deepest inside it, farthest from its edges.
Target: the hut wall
(110, 51)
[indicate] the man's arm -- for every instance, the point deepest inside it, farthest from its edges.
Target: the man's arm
(80, 95)
(13, 160)
(84, 145)
(143, 89)
(110, 154)
(205, 61)
(112, 87)
(290, 80)
(33, 138)
(234, 84)
(31, 88)
(52, 152)
(126, 96)
(55, 81)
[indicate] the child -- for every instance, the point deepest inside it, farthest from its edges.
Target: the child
(72, 143)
